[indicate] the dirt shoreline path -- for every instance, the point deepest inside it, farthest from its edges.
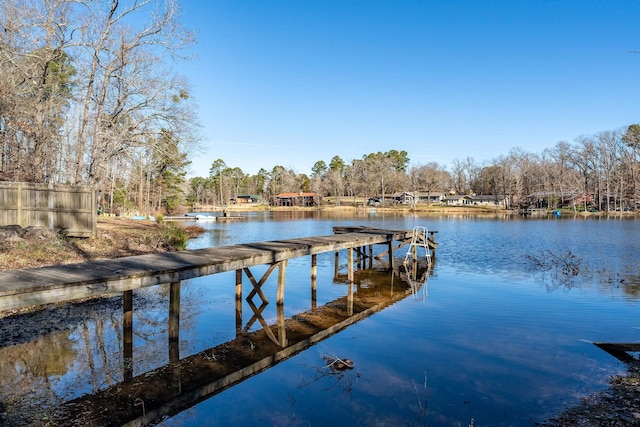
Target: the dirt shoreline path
(115, 237)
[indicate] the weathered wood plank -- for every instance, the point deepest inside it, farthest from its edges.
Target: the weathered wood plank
(29, 287)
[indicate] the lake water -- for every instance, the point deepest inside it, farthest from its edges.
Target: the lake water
(490, 339)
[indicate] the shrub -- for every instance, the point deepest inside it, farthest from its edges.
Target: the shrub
(175, 236)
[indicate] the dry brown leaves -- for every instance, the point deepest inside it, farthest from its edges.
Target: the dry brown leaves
(115, 237)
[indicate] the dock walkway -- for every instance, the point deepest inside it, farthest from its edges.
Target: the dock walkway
(60, 283)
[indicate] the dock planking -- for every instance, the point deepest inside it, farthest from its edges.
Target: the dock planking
(38, 286)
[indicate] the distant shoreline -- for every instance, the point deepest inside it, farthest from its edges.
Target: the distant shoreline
(427, 209)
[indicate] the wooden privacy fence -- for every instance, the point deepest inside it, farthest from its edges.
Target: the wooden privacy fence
(66, 207)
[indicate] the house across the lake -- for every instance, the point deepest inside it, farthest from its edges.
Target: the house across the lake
(296, 199)
(415, 197)
(246, 198)
(410, 197)
(475, 200)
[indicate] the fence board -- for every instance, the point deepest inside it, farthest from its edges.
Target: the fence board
(66, 207)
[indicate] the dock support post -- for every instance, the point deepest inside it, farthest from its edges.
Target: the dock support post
(314, 277)
(391, 255)
(282, 332)
(127, 334)
(414, 256)
(238, 300)
(282, 270)
(314, 269)
(336, 265)
(370, 257)
(350, 265)
(174, 322)
(432, 235)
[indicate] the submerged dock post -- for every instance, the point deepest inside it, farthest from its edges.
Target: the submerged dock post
(314, 277)
(282, 330)
(350, 265)
(238, 300)
(314, 268)
(127, 334)
(432, 237)
(174, 322)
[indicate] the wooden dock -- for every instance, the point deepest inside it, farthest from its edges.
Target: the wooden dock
(533, 211)
(38, 286)
(201, 218)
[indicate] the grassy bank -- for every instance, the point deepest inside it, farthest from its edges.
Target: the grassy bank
(115, 237)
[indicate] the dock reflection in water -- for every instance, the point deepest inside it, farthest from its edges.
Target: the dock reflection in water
(149, 397)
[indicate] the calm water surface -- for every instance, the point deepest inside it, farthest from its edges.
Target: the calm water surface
(489, 337)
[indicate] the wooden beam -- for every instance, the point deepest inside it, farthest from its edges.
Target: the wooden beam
(127, 334)
(314, 267)
(257, 315)
(258, 285)
(282, 330)
(314, 277)
(350, 265)
(238, 300)
(282, 272)
(174, 322)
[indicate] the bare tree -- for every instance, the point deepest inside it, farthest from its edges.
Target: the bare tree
(632, 139)
(609, 150)
(355, 181)
(378, 170)
(36, 80)
(584, 160)
(459, 176)
(429, 178)
(87, 93)
(126, 94)
(335, 178)
(505, 172)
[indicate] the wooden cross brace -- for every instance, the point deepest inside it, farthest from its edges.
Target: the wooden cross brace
(257, 290)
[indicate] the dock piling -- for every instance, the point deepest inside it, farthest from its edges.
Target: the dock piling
(174, 322)
(127, 336)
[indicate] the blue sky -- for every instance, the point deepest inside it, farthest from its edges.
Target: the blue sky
(291, 82)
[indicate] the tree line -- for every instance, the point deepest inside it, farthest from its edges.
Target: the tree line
(88, 97)
(595, 172)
